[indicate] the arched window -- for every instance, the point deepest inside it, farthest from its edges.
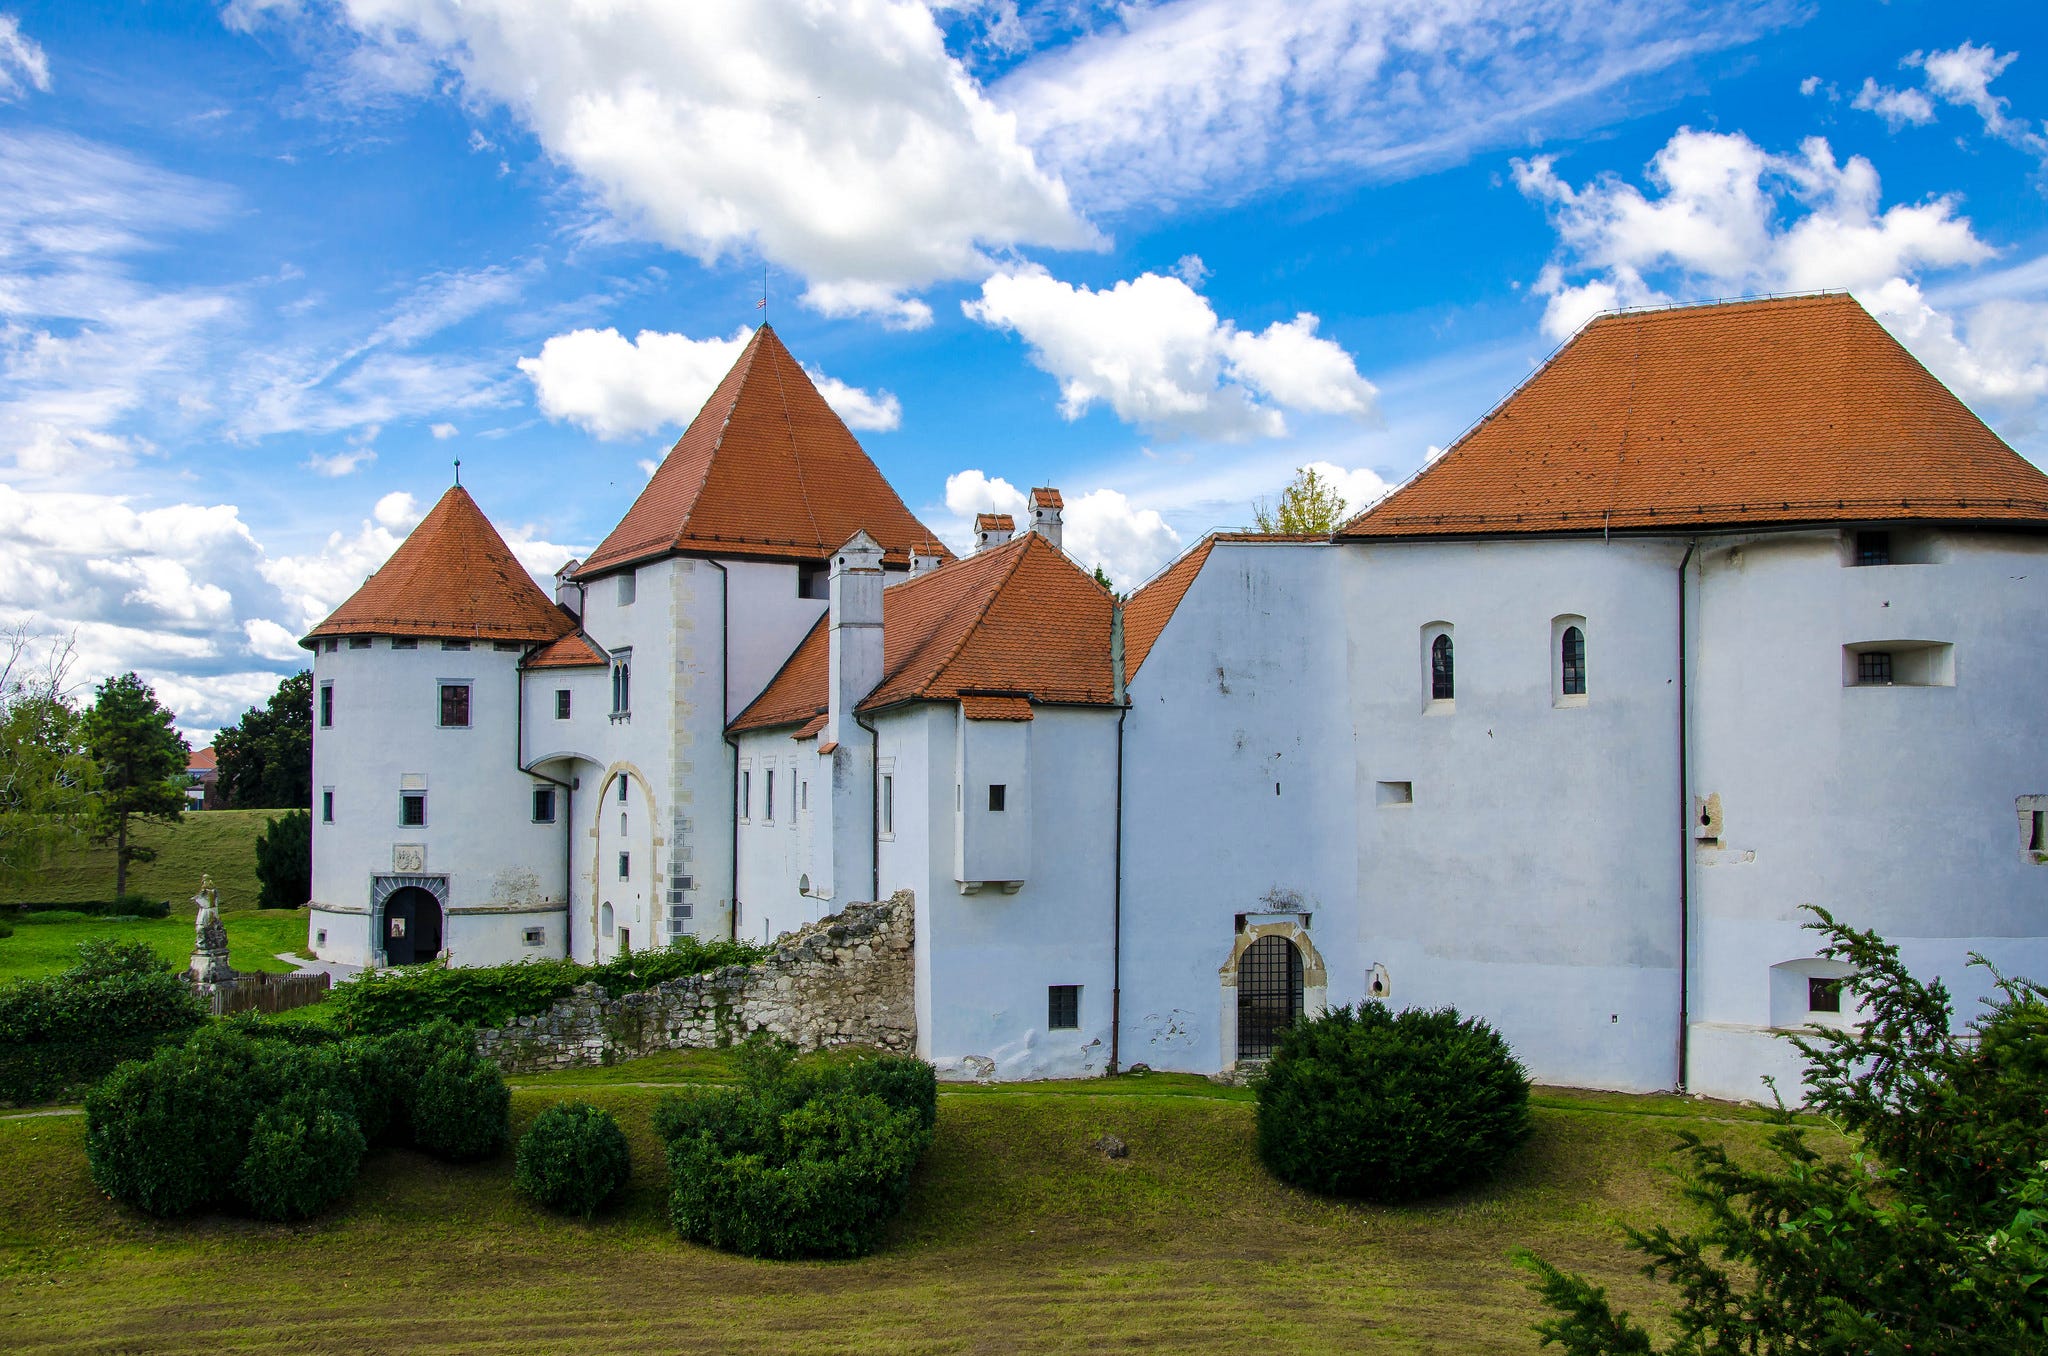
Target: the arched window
(1572, 656)
(1269, 994)
(1442, 685)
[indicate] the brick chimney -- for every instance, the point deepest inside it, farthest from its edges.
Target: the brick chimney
(993, 529)
(1045, 513)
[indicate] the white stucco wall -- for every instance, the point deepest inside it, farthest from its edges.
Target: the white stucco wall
(503, 871)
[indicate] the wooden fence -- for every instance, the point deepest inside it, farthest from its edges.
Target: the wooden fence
(269, 993)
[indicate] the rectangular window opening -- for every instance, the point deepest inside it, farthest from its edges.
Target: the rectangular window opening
(888, 803)
(327, 807)
(412, 809)
(405, 642)
(455, 706)
(536, 936)
(769, 812)
(629, 588)
(359, 642)
(1873, 548)
(997, 793)
(2037, 835)
(543, 804)
(624, 788)
(1823, 995)
(454, 644)
(1063, 1007)
(746, 794)
(1874, 668)
(813, 582)
(625, 866)
(561, 703)
(326, 706)
(1394, 793)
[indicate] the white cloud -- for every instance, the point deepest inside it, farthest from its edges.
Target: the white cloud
(446, 299)
(616, 388)
(335, 465)
(22, 62)
(397, 511)
(1728, 218)
(1208, 100)
(1361, 486)
(1898, 107)
(1154, 350)
(443, 432)
(971, 492)
(840, 141)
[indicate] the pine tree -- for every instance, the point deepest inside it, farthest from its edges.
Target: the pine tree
(141, 760)
(1309, 504)
(266, 758)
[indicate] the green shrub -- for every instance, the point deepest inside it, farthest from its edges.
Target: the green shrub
(165, 1135)
(804, 1159)
(462, 1109)
(1382, 1106)
(303, 1156)
(572, 1159)
(132, 905)
(284, 861)
(378, 1002)
(119, 1002)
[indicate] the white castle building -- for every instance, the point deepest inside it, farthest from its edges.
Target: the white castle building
(1725, 611)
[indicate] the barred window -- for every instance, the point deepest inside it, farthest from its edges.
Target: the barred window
(1442, 682)
(1874, 667)
(455, 705)
(1574, 658)
(561, 703)
(1873, 548)
(1063, 1007)
(412, 809)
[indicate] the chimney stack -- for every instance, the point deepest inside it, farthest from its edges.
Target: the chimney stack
(842, 838)
(992, 529)
(569, 593)
(1045, 513)
(924, 558)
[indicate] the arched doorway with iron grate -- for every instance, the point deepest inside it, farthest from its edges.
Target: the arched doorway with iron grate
(412, 926)
(1270, 994)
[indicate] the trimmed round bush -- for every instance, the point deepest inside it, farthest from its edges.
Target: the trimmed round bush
(572, 1159)
(303, 1156)
(166, 1134)
(1388, 1107)
(461, 1108)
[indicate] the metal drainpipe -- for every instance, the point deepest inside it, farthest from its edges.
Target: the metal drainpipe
(1684, 838)
(874, 809)
(568, 803)
(725, 733)
(1121, 692)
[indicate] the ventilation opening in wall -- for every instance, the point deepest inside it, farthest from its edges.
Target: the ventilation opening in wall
(536, 936)
(320, 937)
(2034, 829)
(1394, 793)
(1899, 663)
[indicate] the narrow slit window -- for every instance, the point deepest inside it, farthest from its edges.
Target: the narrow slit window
(746, 794)
(768, 812)
(1442, 680)
(1573, 659)
(997, 794)
(327, 810)
(889, 804)
(623, 789)
(2037, 832)
(326, 706)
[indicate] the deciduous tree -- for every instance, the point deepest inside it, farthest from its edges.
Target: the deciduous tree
(141, 760)
(265, 759)
(1309, 504)
(46, 779)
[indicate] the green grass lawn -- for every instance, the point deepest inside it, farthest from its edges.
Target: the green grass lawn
(44, 943)
(1018, 1235)
(220, 843)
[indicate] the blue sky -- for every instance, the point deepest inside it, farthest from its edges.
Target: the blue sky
(268, 267)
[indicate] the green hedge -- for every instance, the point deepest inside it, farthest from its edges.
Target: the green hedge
(1389, 1106)
(119, 1002)
(378, 1002)
(130, 905)
(804, 1159)
(241, 1116)
(573, 1159)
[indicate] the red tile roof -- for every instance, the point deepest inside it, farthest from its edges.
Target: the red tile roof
(1015, 619)
(453, 576)
(766, 468)
(1044, 497)
(201, 760)
(994, 522)
(1788, 410)
(573, 651)
(1147, 611)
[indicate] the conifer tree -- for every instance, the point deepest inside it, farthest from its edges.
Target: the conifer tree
(141, 760)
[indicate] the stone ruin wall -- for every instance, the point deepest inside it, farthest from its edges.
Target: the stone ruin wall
(844, 980)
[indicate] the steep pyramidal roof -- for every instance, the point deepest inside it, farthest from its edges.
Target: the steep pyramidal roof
(453, 577)
(766, 468)
(1016, 618)
(1789, 410)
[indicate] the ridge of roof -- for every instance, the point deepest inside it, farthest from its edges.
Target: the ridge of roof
(766, 468)
(1775, 410)
(1152, 605)
(452, 576)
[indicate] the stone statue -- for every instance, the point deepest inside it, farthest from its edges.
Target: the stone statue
(210, 938)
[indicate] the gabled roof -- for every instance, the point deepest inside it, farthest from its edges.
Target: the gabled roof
(1147, 611)
(766, 468)
(201, 760)
(453, 576)
(1015, 619)
(573, 651)
(1788, 410)
(994, 522)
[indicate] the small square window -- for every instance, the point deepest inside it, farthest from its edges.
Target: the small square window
(454, 644)
(359, 642)
(997, 793)
(1063, 1007)
(405, 642)
(1873, 548)
(536, 936)
(543, 804)
(1823, 995)
(332, 645)
(326, 706)
(412, 809)
(625, 866)
(320, 937)
(561, 703)
(326, 807)
(1874, 667)
(455, 706)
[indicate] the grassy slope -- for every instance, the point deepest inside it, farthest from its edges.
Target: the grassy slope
(221, 843)
(44, 943)
(1018, 1235)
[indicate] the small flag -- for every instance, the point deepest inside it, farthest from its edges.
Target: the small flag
(761, 305)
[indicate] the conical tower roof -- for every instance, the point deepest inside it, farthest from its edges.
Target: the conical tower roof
(453, 577)
(1791, 410)
(765, 469)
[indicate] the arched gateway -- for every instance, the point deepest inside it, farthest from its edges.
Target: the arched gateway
(1269, 994)
(412, 926)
